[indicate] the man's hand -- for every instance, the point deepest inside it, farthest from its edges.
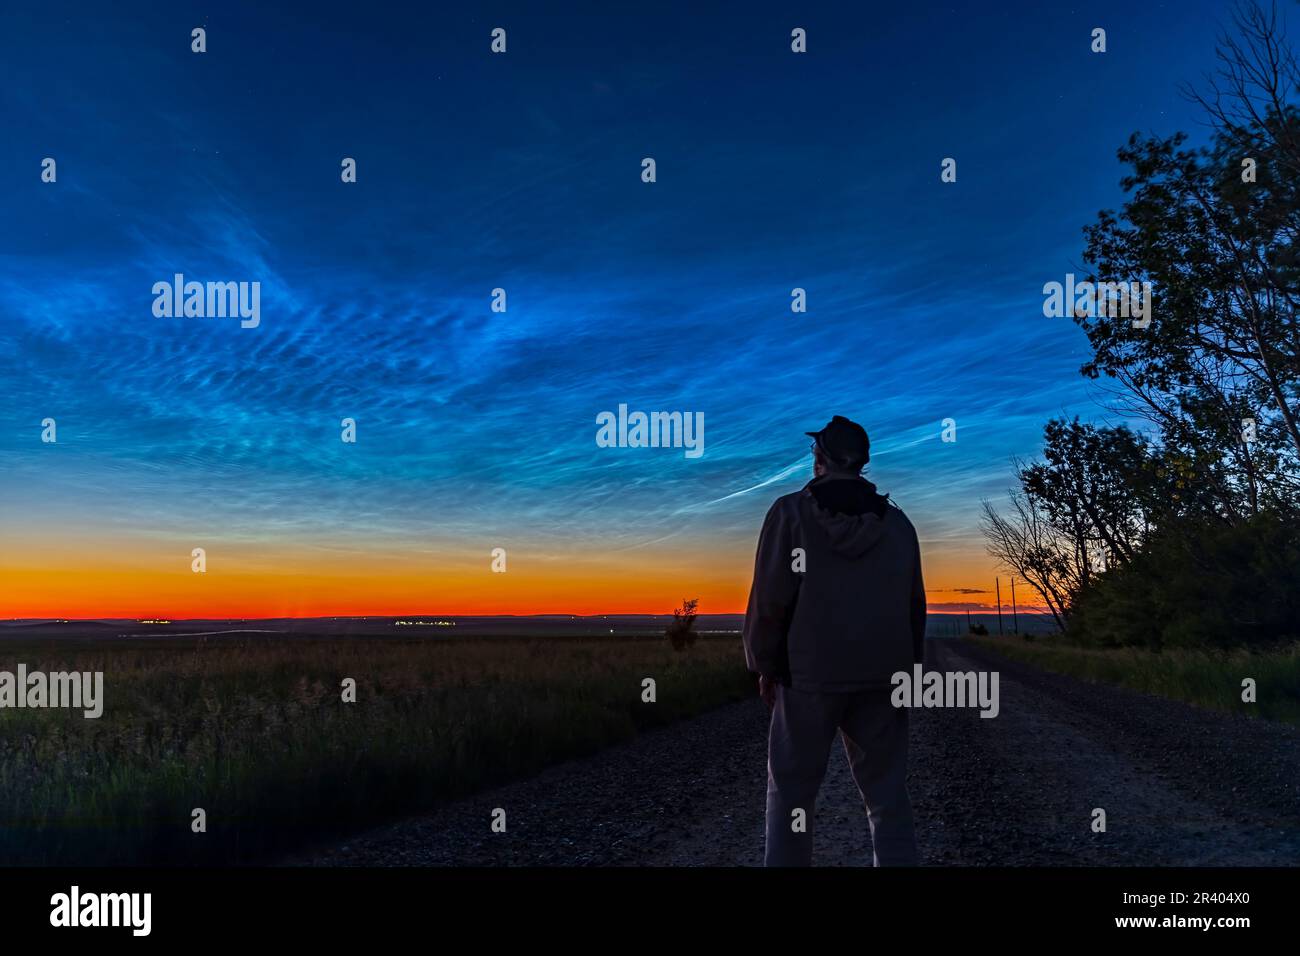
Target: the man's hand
(767, 691)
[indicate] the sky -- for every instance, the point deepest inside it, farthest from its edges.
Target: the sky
(475, 429)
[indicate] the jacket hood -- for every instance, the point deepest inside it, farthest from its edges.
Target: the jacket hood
(849, 511)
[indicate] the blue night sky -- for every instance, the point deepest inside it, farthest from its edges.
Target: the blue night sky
(522, 171)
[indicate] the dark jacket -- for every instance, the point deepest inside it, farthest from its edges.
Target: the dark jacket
(851, 613)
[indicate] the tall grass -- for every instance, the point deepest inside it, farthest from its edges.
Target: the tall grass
(1208, 678)
(255, 733)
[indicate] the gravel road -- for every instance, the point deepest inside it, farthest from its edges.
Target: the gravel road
(1180, 786)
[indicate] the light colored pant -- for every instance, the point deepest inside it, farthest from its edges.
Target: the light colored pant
(798, 745)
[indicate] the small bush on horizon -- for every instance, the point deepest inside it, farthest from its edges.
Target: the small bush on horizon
(681, 631)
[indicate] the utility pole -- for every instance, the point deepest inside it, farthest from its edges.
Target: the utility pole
(968, 630)
(997, 583)
(1015, 619)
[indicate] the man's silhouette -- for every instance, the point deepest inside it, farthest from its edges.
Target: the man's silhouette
(837, 607)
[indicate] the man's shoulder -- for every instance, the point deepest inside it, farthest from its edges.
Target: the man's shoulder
(786, 502)
(899, 515)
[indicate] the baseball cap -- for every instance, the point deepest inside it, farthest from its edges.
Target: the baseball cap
(844, 442)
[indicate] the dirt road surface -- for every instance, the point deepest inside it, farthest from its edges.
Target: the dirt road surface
(1180, 786)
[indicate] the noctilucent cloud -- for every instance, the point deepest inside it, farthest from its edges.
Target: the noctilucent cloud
(522, 171)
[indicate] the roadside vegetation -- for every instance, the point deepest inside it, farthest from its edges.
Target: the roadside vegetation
(1206, 677)
(257, 734)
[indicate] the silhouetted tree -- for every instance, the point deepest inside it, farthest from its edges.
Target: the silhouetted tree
(1024, 542)
(1191, 534)
(1215, 230)
(681, 630)
(1098, 488)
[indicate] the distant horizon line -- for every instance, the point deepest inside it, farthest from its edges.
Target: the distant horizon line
(369, 617)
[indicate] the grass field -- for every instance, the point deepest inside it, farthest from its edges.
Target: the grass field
(1206, 678)
(256, 733)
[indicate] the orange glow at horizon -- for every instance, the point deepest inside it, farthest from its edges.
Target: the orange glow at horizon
(254, 583)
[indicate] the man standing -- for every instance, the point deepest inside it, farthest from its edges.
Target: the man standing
(837, 607)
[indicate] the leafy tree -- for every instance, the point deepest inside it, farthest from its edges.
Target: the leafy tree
(1218, 241)
(1191, 534)
(1209, 585)
(1100, 487)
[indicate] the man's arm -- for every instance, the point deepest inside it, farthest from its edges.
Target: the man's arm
(771, 600)
(918, 609)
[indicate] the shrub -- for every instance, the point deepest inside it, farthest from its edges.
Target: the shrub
(681, 631)
(1199, 585)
